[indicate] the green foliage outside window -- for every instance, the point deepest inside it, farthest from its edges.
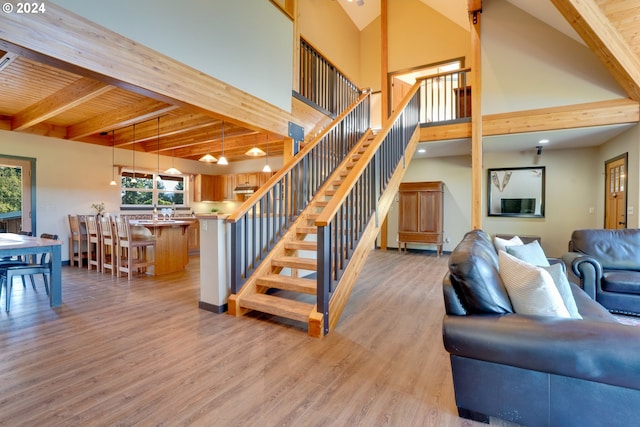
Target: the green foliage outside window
(145, 189)
(10, 189)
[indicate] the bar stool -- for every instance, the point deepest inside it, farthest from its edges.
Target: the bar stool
(133, 254)
(94, 256)
(77, 242)
(108, 250)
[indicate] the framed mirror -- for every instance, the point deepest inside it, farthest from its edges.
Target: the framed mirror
(516, 192)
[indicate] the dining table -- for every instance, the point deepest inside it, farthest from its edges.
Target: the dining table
(18, 245)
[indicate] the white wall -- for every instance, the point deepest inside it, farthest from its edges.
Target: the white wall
(628, 142)
(251, 51)
(570, 193)
(527, 64)
(71, 176)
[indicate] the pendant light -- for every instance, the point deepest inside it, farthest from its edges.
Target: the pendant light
(255, 151)
(208, 158)
(172, 170)
(223, 160)
(113, 160)
(266, 167)
(134, 180)
(158, 177)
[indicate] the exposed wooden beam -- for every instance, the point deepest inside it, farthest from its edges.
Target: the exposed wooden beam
(567, 117)
(589, 21)
(64, 99)
(617, 111)
(93, 51)
(475, 9)
(120, 117)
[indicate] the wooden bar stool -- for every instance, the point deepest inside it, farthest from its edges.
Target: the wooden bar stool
(133, 253)
(107, 246)
(77, 242)
(94, 257)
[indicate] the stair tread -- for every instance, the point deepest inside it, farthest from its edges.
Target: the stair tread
(301, 245)
(284, 307)
(288, 283)
(307, 230)
(295, 262)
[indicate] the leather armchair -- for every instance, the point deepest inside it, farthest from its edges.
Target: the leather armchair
(607, 265)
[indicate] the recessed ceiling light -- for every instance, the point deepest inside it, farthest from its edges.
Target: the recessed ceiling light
(543, 141)
(422, 150)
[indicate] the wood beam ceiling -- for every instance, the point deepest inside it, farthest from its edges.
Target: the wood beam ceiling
(602, 37)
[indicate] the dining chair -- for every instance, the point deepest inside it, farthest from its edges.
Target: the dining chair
(77, 241)
(93, 243)
(133, 250)
(108, 250)
(42, 267)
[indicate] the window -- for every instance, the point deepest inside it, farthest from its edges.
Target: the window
(143, 189)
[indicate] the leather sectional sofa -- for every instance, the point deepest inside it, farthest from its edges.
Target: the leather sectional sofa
(533, 370)
(607, 264)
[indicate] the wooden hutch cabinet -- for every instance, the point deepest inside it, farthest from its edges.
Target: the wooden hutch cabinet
(420, 216)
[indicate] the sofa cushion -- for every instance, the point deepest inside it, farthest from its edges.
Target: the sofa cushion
(559, 276)
(473, 268)
(531, 253)
(501, 244)
(625, 282)
(614, 249)
(531, 288)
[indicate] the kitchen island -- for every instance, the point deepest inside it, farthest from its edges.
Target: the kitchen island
(172, 247)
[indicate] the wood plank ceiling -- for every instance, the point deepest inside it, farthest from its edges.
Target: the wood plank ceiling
(40, 99)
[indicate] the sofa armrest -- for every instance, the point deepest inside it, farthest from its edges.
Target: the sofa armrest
(585, 349)
(587, 269)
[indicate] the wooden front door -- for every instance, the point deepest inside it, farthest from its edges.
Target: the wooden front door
(615, 210)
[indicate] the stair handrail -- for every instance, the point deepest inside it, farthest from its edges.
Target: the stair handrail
(264, 218)
(356, 200)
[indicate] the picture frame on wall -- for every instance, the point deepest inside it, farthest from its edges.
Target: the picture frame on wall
(516, 192)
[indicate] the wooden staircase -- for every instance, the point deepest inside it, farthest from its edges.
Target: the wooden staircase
(284, 284)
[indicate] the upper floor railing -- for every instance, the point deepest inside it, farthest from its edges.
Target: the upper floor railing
(322, 83)
(266, 216)
(343, 221)
(445, 97)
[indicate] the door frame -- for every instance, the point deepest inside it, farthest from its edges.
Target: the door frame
(625, 157)
(31, 189)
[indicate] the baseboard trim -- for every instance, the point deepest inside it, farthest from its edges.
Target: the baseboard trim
(218, 309)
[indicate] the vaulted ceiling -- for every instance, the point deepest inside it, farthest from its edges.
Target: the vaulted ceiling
(42, 98)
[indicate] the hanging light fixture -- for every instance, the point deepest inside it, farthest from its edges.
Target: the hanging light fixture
(158, 177)
(223, 160)
(255, 151)
(134, 180)
(113, 160)
(172, 170)
(208, 158)
(266, 167)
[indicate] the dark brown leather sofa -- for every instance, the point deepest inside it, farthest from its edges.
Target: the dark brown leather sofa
(532, 370)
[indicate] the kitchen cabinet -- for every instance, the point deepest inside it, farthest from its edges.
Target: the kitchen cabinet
(193, 239)
(421, 214)
(208, 188)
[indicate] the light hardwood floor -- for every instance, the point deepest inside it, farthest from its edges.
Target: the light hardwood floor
(142, 353)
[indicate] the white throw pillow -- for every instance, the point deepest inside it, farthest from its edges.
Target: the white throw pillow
(530, 288)
(531, 253)
(501, 244)
(562, 283)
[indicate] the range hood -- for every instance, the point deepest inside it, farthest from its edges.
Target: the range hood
(245, 188)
